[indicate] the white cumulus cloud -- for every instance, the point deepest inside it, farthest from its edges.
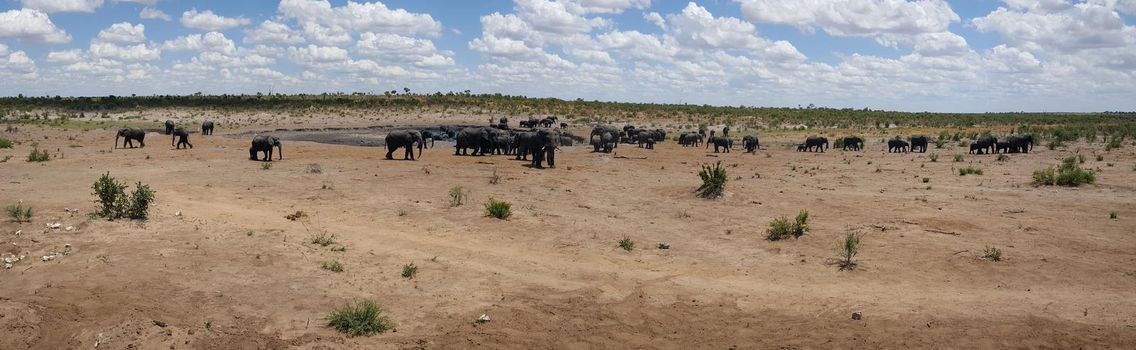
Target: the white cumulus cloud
(31, 25)
(63, 5)
(208, 21)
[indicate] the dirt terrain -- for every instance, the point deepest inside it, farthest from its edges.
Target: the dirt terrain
(218, 266)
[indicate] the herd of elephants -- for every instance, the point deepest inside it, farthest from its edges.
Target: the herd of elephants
(538, 138)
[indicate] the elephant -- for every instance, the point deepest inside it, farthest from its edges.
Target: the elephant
(599, 130)
(503, 123)
(897, 146)
(547, 122)
(720, 142)
(986, 143)
(692, 140)
(496, 138)
(428, 136)
(503, 144)
(563, 125)
(207, 128)
(520, 144)
(819, 143)
(1021, 143)
(660, 135)
(405, 139)
(1002, 147)
(751, 143)
(854, 142)
(264, 143)
(802, 147)
(542, 145)
(169, 127)
(647, 140)
(130, 135)
(919, 143)
(976, 148)
(472, 138)
(182, 138)
(726, 131)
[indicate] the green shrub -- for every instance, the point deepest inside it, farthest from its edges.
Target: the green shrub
(934, 157)
(265, 166)
(19, 213)
(1112, 215)
(1114, 143)
(627, 244)
(1100, 158)
(5, 143)
(926, 180)
(140, 200)
(323, 239)
(362, 319)
(113, 203)
(498, 209)
(333, 266)
(781, 227)
(848, 251)
(713, 181)
(38, 155)
(1068, 174)
(409, 270)
(970, 170)
(457, 196)
(958, 158)
(1053, 144)
(992, 254)
(940, 142)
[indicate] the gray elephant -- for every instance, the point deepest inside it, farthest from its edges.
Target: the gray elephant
(169, 127)
(720, 141)
(264, 143)
(130, 135)
(542, 145)
(1020, 143)
(476, 139)
(182, 138)
(1002, 147)
(404, 139)
(521, 144)
(207, 128)
(691, 140)
(818, 143)
(751, 143)
(897, 146)
(986, 143)
(919, 143)
(853, 142)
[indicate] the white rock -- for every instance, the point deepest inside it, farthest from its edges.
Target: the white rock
(7, 266)
(55, 225)
(19, 232)
(69, 228)
(48, 257)
(483, 318)
(177, 214)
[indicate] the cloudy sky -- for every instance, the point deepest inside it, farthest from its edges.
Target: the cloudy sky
(934, 55)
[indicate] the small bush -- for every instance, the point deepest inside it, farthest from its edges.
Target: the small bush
(1114, 143)
(323, 239)
(1054, 144)
(5, 143)
(19, 213)
(992, 254)
(1069, 174)
(958, 158)
(848, 251)
(1002, 158)
(1100, 158)
(781, 227)
(499, 209)
(333, 266)
(627, 244)
(38, 155)
(365, 318)
(265, 166)
(940, 142)
(713, 181)
(969, 171)
(926, 180)
(457, 196)
(140, 199)
(934, 157)
(494, 179)
(113, 203)
(1112, 215)
(409, 270)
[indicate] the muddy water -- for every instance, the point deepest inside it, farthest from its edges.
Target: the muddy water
(372, 136)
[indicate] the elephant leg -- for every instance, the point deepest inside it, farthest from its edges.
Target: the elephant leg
(390, 151)
(409, 153)
(551, 158)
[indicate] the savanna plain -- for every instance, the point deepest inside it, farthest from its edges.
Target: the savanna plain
(242, 254)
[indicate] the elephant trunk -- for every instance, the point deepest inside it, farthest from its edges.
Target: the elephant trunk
(279, 151)
(172, 138)
(421, 144)
(116, 141)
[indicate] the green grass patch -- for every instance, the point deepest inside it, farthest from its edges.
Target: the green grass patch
(498, 209)
(364, 318)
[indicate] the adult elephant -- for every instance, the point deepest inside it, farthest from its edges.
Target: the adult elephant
(720, 142)
(987, 143)
(476, 139)
(547, 122)
(855, 143)
(405, 139)
(599, 130)
(751, 143)
(130, 135)
(207, 128)
(692, 140)
(182, 138)
(264, 143)
(919, 143)
(542, 145)
(1022, 143)
(897, 146)
(169, 127)
(819, 143)
(521, 144)
(975, 148)
(428, 136)
(503, 144)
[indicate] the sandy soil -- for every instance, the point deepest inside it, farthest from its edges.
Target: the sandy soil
(553, 276)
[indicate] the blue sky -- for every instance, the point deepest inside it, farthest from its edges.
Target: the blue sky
(967, 56)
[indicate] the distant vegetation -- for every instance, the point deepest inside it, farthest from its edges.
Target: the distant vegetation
(1072, 125)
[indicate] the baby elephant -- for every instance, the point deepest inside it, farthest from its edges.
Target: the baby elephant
(897, 146)
(182, 138)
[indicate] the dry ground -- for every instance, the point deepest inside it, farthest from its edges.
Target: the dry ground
(553, 276)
